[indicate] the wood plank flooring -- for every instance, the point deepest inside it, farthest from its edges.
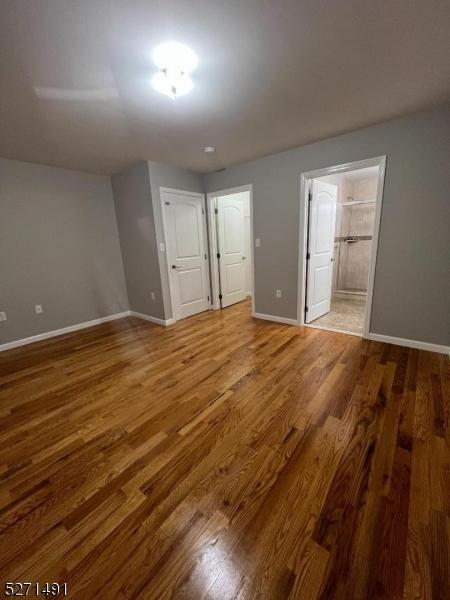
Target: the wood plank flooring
(225, 457)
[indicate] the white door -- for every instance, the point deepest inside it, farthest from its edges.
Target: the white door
(231, 244)
(184, 227)
(322, 219)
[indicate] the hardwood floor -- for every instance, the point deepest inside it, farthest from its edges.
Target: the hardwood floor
(225, 457)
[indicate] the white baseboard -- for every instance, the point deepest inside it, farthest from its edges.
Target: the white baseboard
(163, 322)
(376, 337)
(78, 326)
(62, 331)
(274, 318)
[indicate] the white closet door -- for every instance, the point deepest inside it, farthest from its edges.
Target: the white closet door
(231, 244)
(322, 219)
(186, 252)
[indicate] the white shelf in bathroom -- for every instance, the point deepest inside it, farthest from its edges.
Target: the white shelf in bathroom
(353, 202)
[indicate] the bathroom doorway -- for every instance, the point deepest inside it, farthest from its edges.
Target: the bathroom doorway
(342, 208)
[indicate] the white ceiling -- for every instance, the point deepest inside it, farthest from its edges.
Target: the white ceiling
(75, 76)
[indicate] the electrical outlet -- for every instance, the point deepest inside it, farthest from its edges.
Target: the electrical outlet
(38, 308)
(152, 295)
(257, 242)
(2, 316)
(162, 247)
(278, 293)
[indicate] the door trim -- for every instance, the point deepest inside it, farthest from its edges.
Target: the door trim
(305, 179)
(212, 240)
(162, 194)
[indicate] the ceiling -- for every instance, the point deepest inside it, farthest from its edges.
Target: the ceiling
(75, 76)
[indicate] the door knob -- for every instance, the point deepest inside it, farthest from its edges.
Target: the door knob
(175, 267)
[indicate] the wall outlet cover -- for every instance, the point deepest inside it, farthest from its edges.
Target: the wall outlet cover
(38, 308)
(257, 242)
(278, 293)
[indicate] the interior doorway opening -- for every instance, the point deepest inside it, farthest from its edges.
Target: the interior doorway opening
(342, 208)
(230, 240)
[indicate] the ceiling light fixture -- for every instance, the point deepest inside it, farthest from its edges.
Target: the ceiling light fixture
(209, 149)
(175, 61)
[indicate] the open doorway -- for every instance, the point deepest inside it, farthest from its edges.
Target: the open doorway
(230, 239)
(342, 208)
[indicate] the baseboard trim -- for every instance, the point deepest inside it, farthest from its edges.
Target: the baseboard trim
(163, 322)
(274, 318)
(166, 322)
(376, 337)
(62, 331)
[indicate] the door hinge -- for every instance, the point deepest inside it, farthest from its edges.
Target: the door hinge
(218, 255)
(306, 309)
(308, 256)
(220, 296)
(203, 211)
(206, 256)
(309, 197)
(216, 211)
(208, 298)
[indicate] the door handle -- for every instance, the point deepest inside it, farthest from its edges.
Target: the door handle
(332, 259)
(175, 267)
(244, 257)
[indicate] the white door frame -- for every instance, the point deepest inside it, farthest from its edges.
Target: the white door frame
(162, 192)
(210, 197)
(377, 161)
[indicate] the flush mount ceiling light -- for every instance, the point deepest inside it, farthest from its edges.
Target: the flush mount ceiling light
(175, 61)
(209, 149)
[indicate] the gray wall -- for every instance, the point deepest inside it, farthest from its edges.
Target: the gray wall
(134, 210)
(59, 247)
(180, 179)
(412, 284)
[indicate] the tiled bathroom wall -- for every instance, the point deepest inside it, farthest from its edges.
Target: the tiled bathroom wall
(354, 221)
